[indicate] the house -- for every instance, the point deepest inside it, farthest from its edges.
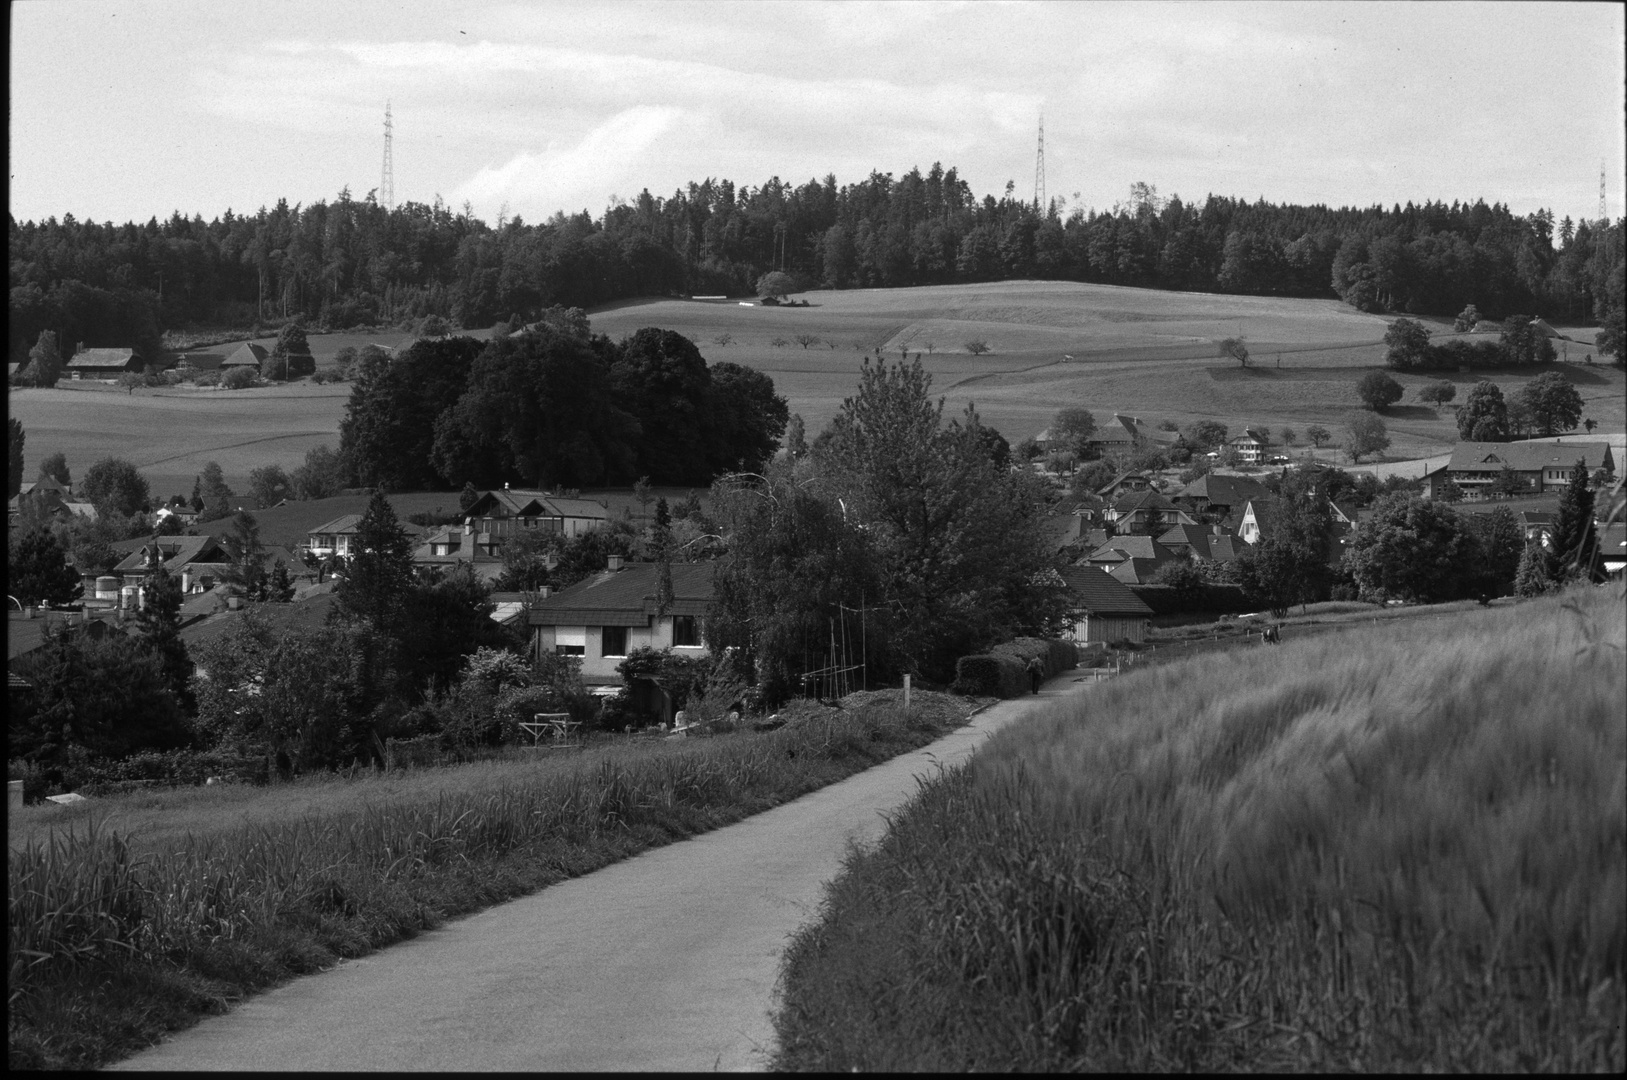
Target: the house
(102, 363)
(1104, 609)
(43, 501)
(1132, 512)
(197, 561)
(1259, 520)
(1118, 549)
(501, 514)
(1124, 483)
(451, 545)
(1476, 467)
(248, 354)
(1203, 543)
(1217, 495)
(605, 617)
(1250, 447)
(25, 633)
(201, 361)
(1125, 433)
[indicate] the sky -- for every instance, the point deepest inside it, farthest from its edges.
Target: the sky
(124, 111)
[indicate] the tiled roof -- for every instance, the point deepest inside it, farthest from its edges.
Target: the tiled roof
(1528, 456)
(178, 552)
(1100, 593)
(1195, 537)
(1132, 547)
(1136, 571)
(625, 597)
(1226, 548)
(344, 523)
(101, 358)
(301, 615)
(1223, 489)
(248, 354)
(1142, 500)
(532, 503)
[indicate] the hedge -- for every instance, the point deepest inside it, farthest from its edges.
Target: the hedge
(989, 676)
(1057, 656)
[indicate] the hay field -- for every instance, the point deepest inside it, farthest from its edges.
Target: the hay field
(1138, 351)
(1390, 848)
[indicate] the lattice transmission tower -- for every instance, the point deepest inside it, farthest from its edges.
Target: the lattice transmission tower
(387, 184)
(1039, 170)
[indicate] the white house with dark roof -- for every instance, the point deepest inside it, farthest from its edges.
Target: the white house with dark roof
(603, 617)
(1543, 466)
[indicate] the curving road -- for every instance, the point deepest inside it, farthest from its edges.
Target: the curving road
(665, 961)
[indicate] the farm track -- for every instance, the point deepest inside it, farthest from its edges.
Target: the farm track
(664, 961)
(230, 446)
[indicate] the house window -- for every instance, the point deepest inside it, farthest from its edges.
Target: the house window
(614, 641)
(571, 640)
(685, 631)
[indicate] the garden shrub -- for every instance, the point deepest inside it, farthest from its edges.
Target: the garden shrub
(240, 378)
(989, 676)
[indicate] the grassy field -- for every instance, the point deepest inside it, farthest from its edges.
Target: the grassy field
(139, 914)
(1401, 848)
(1138, 351)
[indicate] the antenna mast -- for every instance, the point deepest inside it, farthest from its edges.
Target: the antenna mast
(387, 185)
(1604, 215)
(1040, 204)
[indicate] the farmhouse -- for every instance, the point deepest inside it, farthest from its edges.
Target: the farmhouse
(1542, 466)
(1250, 447)
(102, 363)
(1203, 543)
(1124, 433)
(248, 354)
(501, 514)
(1219, 496)
(1132, 512)
(606, 616)
(452, 545)
(1124, 483)
(1104, 609)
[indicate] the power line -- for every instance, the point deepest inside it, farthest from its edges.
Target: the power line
(387, 185)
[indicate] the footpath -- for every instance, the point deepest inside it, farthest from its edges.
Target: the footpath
(666, 961)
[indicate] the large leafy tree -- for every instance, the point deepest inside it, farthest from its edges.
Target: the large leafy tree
(1072, 428)
(1365, 434)
(38, 570)
(45, 360)
(794, 569)
(1411, 548)
(1483, 416)
(539, 409)
(270, 485)
(379, 573)
(115, 487)
(55, 466)
(746, 419)
(1378, 391)
(389, 425)
(1523, 343)
(957, 540)
(662, 379)
(444, 621)
(215, 492)
(1499, 544)
(1406, 344)
(1290, 564)
(1549, 403)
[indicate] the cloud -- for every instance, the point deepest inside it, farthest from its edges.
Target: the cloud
(564, 178)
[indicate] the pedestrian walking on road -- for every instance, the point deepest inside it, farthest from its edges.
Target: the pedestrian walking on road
(1036, 673)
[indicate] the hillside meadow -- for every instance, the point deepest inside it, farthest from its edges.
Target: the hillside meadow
(1138, 351)
(1399, 848)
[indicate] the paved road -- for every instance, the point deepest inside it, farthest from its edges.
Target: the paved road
(665, 961)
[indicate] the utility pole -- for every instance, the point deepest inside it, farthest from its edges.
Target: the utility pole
(387, 184)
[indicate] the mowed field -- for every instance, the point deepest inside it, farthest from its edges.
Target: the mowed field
(1138, 351)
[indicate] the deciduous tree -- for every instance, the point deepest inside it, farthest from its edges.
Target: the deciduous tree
(1365, 434)
(1377, 390)
(1550, 403)
(270, 485)
(38, 570)
(14, 460)
(1438, 393)
(215, 492)
(1412, 549)
(115, 487)
(1406, 344)
(1318, 434)
(1483, 413)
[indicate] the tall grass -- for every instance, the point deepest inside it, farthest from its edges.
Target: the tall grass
(1387, 848)
(115, 936)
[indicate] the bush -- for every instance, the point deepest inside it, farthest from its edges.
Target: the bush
(1057, 656)
(239, 378)
(989, 676)
(206, 378)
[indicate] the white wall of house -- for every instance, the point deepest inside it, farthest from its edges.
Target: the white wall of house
(595, 662)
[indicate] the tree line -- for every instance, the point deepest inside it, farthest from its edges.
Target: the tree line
(353, 262)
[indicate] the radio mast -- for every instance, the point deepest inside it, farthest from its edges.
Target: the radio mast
(387, 185)
(1604, 214)
(1039, 170)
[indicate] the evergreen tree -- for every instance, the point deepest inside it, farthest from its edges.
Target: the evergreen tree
(246, 571)
(280, 589)
(217, 495)
(159, 621)
(45, 360)
(468, 496)
(379, 574)
(1532, 576)
(1575, 551)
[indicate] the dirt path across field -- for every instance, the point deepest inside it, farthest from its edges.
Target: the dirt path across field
(665, 961)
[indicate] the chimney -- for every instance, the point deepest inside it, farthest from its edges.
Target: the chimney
(615, 563)
(186, 582)
(469, 527)
(544, 591)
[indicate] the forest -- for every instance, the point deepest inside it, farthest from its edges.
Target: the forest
(355, 262)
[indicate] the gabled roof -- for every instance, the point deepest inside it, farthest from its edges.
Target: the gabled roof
(1129, 474)
(1195, 537)
(344, 523)
(247, 354)
(1131, 547)
(1227, 548)
(1222, 489)
(1136, 571)
(1528, 456)
(1536, 517)
(1097, 592)
(103, 358)
(179, 552)
(299, 615)
(518, 502)
(1132, 501)
(625, 597)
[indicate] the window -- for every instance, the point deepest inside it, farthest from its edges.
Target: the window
(614, 641)
(685, 631)
(571, 640)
